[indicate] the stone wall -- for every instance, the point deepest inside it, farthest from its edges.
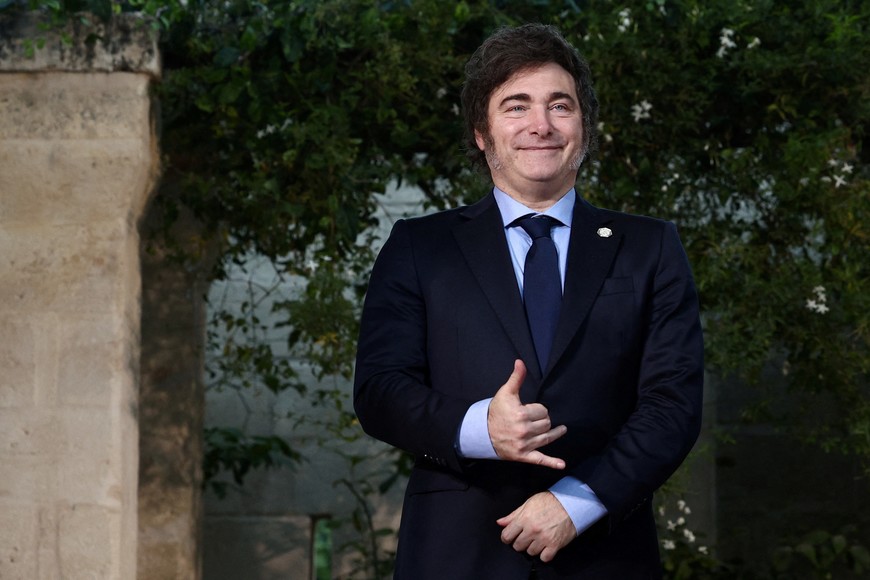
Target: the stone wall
(78, 161)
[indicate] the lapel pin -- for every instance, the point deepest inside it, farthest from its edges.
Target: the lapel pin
(605, 232)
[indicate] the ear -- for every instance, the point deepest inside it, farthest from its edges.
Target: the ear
(478, 138)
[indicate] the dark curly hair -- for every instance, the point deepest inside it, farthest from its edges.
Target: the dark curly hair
(509, 51)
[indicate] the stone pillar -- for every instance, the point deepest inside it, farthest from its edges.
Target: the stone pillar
(78, 161)
(172, 397)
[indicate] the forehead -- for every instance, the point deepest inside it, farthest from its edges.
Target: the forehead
(536, 82)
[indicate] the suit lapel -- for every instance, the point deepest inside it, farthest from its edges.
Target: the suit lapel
(482, 241)
(590, 256)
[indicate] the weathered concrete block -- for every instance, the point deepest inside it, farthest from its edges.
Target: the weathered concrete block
(28, 433)
(91, 361)
(71, 181)
(24, 480)
(88, 541)
(90, 106)
(70, 268)
(66, 450)
(88, 467)
(18, 361)
(17, 557)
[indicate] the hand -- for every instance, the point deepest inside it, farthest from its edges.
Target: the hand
(518, 430)
(539, 527)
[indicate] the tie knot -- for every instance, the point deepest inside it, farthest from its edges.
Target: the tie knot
(537, 226)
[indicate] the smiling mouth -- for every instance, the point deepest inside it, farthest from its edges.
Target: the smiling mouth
(540, 148)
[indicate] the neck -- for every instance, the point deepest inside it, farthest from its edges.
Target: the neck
(534, 199)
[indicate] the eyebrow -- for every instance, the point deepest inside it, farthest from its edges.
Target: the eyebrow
(525, 97)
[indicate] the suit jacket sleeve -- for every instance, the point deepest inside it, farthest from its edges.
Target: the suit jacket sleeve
(665, 422)
(392, 395)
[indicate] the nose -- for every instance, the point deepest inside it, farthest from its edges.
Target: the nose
(540, 122)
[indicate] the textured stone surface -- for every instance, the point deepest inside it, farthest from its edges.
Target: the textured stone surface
(130, 45)
(171, 410)
(18, 559)
(78, 162)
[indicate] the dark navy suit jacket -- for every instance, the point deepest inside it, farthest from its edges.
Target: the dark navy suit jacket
(442, 325)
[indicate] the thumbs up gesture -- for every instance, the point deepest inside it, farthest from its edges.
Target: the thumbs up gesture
(517, 430)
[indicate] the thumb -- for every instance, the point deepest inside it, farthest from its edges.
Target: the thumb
(515, 381)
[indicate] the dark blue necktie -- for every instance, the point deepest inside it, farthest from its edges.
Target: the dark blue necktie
(542, 284)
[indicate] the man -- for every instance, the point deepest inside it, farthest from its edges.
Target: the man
(541, 423)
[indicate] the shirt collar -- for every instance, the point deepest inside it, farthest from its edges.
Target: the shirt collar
(511, 209)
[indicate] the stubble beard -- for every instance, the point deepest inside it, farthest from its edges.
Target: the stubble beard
(492, 158)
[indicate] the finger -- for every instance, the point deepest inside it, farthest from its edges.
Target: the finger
(548, 553)
(548, 437)
(522, 543)
(536, 412)
(515, 381)
(510, 534)
(538, 458)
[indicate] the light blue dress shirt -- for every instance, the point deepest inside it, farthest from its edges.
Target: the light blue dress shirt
(578, 499)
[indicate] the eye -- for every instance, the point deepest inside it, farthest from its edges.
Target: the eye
(561, 107)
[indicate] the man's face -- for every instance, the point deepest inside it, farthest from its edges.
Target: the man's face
(535, 142)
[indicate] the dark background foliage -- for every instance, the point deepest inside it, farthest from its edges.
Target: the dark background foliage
(746, 123)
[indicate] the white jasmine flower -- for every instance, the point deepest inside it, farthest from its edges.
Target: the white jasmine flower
(833, 162)
(624, 22)
(756, 42)
(641, 110)
(819, 303)
(847, 168)
(703, 549)
(661, 510)
(669, 545)
(681, 521)
(839, 180)
(671, 526)
(690, 537)
(441, 93)
(726, 42)
(681, 505)
(268, 130)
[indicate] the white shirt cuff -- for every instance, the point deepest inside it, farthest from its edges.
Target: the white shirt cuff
(583, 506)
(474, 441)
